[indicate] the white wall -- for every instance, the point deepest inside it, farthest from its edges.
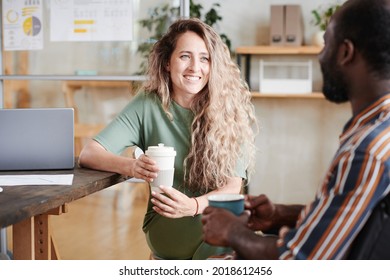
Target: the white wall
(298, 136)
(297, 140)
(247, 21)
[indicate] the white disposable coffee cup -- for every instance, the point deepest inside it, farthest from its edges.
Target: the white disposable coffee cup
(165, 159)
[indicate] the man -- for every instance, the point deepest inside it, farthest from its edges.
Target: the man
(355, 64)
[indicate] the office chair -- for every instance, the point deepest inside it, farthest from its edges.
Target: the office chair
(373, 241)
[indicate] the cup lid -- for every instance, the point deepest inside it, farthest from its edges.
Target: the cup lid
(160, 151)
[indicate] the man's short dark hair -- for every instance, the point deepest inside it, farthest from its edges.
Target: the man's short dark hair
(367, 24)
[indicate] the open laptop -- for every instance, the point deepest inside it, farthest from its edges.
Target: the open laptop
(36, 139)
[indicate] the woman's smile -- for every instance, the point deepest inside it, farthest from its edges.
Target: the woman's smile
(189, 68)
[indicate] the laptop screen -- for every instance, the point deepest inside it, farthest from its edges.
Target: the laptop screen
(36, 139)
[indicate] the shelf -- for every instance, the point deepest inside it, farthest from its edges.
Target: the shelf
(273, 50)
(247, 52)
(313, 95)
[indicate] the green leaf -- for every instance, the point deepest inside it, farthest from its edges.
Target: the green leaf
(159, 20)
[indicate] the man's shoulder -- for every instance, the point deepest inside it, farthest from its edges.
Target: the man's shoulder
(377, 138)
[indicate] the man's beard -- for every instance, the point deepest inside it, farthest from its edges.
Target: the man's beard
(335, 88)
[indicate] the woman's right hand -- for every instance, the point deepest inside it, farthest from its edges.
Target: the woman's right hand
(145, 168)
(95, 156)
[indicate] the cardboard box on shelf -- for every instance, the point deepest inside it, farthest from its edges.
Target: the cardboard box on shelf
(277, 25)
(286, 26)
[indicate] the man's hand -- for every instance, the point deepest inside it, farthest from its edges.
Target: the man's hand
(262, 212)
(219, 224)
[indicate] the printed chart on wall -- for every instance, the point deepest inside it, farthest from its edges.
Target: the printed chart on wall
(22, 25)
(91, 20)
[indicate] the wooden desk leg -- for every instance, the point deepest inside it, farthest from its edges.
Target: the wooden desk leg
(23, 240)
(32, 238)
(54, 250)
(53, 246)
(42, 237)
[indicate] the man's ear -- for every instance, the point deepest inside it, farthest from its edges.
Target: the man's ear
(346, 52)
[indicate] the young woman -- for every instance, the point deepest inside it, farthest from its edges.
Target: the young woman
(196, 102)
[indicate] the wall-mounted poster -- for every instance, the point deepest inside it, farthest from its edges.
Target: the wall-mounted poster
(91, 20)
(22, 25)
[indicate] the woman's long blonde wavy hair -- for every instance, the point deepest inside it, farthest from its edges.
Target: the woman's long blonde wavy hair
(224, 126)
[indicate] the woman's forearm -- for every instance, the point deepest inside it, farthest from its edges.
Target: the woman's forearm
(96, 157)
(233, 186)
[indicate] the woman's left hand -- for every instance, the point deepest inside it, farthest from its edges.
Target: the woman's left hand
(173, 203)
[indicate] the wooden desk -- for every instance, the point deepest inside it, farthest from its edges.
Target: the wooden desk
(28, 208)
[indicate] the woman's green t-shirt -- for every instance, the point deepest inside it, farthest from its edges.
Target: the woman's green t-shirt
(144, 123)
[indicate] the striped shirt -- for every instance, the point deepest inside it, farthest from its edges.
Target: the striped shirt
(357, 179)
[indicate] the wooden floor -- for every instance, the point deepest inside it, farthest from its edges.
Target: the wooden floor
(104, 226)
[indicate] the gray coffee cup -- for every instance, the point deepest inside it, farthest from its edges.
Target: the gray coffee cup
(232, 202)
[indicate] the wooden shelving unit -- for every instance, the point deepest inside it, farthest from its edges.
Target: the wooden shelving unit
(265, 50)
(313, 95)
(278, 50)
(17, 91)
(84, 131)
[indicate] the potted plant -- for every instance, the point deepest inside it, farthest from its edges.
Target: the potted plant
(160, 17)
(321, 18)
